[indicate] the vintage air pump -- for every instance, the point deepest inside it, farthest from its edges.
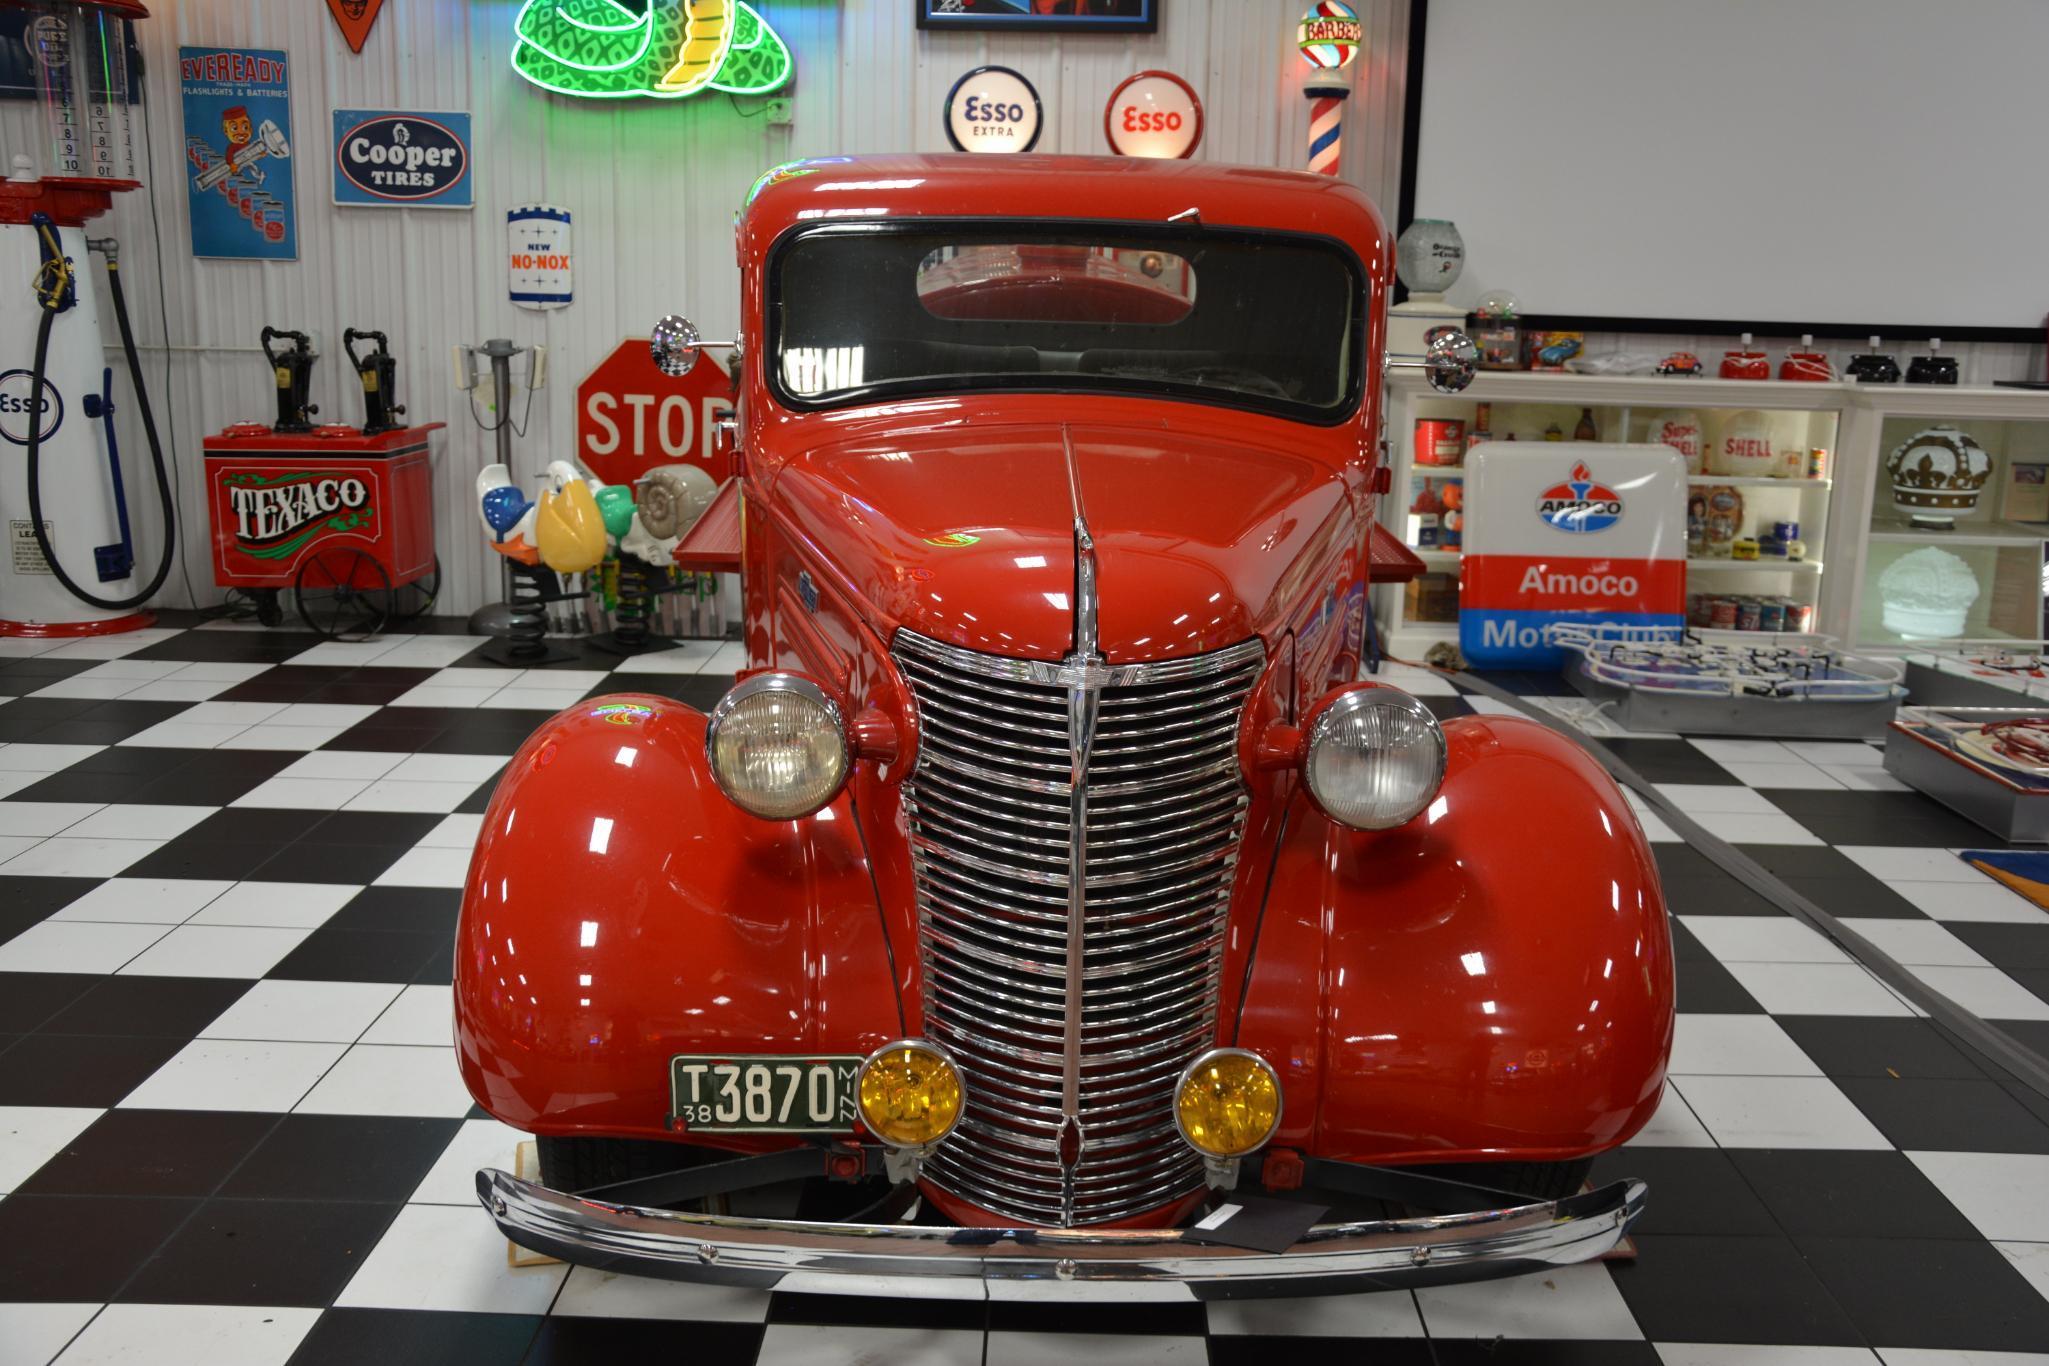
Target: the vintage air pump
(378, 370)
(291, 369)
(70, 567)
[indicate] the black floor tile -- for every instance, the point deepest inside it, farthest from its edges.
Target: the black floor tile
(160, 1007)
(1670, 761)
(401, 908)
(1250, 1349)
(231, 647)
(356, 864)
(375, 1158)
(29, 998)
(866, 1311)
(1706, 987)
(1686, 1288)
(1948, 1116)
(1693, 1190)
(380, 733)
(439, 969)
(77, 1069)
(186, 857)
(66, 786)
(1884, 818)
(268, 827)
(691, 689)
(1925, 1292)
(1524, 1352)
(25, 901)
(1862, 895)
(1805, 860)
(1687, 948)
(582, 1341)
(215, 778)
(402, 828)
(152, 1152)
(405, 1337)
(331, 955)
(20, 677)
(80, 1247)
(284, 1252)
(2016, 948)
(1849, 1194)
(1868, 1047)
(1710, 893)
(1447, 708)
(142, 761)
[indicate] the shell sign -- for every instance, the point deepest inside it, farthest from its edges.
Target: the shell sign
(601, 49)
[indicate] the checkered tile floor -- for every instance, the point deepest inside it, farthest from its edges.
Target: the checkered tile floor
(231, 1130)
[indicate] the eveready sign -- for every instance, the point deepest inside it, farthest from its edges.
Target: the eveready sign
(237, 68)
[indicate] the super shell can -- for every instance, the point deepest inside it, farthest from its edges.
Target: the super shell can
(1749, 613)
(1722, 614)
(1799, 616)
(1771, 614)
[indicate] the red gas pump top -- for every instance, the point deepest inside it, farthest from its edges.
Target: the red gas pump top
(330, 440)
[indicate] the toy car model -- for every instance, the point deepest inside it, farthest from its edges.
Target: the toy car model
(1049, 882)
(1680, 363)
(1559, 352)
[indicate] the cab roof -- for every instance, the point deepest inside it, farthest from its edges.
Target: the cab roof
(1126, 189)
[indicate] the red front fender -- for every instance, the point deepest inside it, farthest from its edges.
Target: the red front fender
(619, 910)
(1491, 981)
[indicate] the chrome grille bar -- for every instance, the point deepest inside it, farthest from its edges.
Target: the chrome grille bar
(1073, 978)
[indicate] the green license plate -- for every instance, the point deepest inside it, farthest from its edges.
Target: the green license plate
(764, 1094)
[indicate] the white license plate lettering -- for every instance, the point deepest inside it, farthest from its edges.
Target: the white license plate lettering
(764, 1094)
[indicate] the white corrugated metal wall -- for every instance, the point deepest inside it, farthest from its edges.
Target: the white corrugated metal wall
(653, 186)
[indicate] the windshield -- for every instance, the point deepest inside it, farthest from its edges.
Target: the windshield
(1272, 321)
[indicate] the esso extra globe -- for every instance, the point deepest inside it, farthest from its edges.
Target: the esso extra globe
(993, 109)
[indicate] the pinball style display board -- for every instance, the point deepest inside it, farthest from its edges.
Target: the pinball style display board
(1988, 763)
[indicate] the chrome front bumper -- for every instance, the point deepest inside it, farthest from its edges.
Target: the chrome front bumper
(1380, 1254)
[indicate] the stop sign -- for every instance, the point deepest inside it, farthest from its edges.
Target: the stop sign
(630, 417)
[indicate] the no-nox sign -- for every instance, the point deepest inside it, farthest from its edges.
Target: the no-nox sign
(630, 417)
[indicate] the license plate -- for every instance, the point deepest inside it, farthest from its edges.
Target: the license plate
(764, 1095)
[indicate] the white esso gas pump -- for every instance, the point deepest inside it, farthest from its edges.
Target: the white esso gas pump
(70, 567)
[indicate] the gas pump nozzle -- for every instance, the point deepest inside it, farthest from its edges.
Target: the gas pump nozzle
(269, 143)
(292, 370)
(378, 370)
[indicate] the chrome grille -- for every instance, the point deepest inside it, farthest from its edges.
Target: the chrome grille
(990, 809)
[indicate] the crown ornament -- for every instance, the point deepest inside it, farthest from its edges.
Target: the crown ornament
(1937, 475)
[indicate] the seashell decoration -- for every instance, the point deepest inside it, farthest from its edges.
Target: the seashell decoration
(1937, 475)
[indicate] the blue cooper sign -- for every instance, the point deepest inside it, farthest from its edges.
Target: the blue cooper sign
(390, 159)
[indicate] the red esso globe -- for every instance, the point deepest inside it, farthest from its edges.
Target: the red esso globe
(1153, 114)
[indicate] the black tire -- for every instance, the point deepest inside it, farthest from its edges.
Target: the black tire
(580, 1164)
(342, 594)
(1540, 1180)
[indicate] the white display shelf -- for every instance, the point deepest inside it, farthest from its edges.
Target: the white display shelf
(1642, 391)
(1724, 564)
(1755, 481)
(1964, 533)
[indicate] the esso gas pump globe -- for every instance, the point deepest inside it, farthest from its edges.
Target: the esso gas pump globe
(75, 573)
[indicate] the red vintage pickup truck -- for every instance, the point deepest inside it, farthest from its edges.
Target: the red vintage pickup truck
(1051, 891)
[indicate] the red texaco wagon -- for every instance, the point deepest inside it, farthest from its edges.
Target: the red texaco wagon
(343, 520)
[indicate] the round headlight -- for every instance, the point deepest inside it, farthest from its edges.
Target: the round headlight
(910, 1094)
(778, 746)
(1374, 758)
(1228, 1103)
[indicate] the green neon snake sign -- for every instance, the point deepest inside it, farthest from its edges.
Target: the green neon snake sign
(600, 49)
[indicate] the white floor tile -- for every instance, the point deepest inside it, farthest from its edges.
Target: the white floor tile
(42, 818)
(80, 686)
(323, 714)
(2006, 1195)
(304, 1012)
(347, 654)
(70, 856)
(13, 780)
(583, 680)
(1837, 753)
(1761, 939)
(425, 652)
(1782, 776)
(1737, 1045)
(447, 768)
(11, 845)
(1867, 779)
(216, 671)
(178, 690)
(533, 699)
(216, 951)
(1780, 1112)
(2032, 1261)
(689, 657)
(441, 695)
(1746, 751)
(113, 647)
(1916, 943)
(455, 832)
(1035, 1349)
(452, 1180)
(365, 765)
(191, 1335)
(285, 905)
(311, 794)
(426, 867)
(1956, 1356)
(180, 733)
(31, 1135)
(1817, 989)
(1986, 992)
(1890, 863)
(140, 821)
(35, 1333)
(797, 1344)
(34, 758)
(1979, 899)
(606, 1294)
(1655, 830)
(421, 1015)
(388, 794)
(1673, 1126)
(1562, 1302)
(1744, 827)
(1374, 1314)
(278, 737)
(235, 1074)
(54, 946)
(729, 658)
(240, 714)
(145, 900)
(1695, 798)
(382, 1080)
(443, 1257)
(1746, 1354)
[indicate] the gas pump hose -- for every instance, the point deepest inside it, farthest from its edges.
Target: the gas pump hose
(50, 294)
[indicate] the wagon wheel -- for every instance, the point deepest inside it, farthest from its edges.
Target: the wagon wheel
(411, 601)
(343, 594)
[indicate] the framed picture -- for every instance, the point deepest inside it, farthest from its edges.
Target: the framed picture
(1048, 16)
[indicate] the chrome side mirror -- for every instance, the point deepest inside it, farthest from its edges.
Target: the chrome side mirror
(675, 345)
(1450, 361)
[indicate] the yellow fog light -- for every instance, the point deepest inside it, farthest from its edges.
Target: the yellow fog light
(1228, 1103)
(910, 1094)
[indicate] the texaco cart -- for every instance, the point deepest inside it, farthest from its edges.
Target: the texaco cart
(344, 520)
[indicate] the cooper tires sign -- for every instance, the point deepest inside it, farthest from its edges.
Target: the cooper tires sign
(400, 159)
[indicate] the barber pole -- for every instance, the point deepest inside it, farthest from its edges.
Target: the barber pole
(1328, 37)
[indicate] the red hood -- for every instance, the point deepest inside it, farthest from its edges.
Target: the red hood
(966, 533)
